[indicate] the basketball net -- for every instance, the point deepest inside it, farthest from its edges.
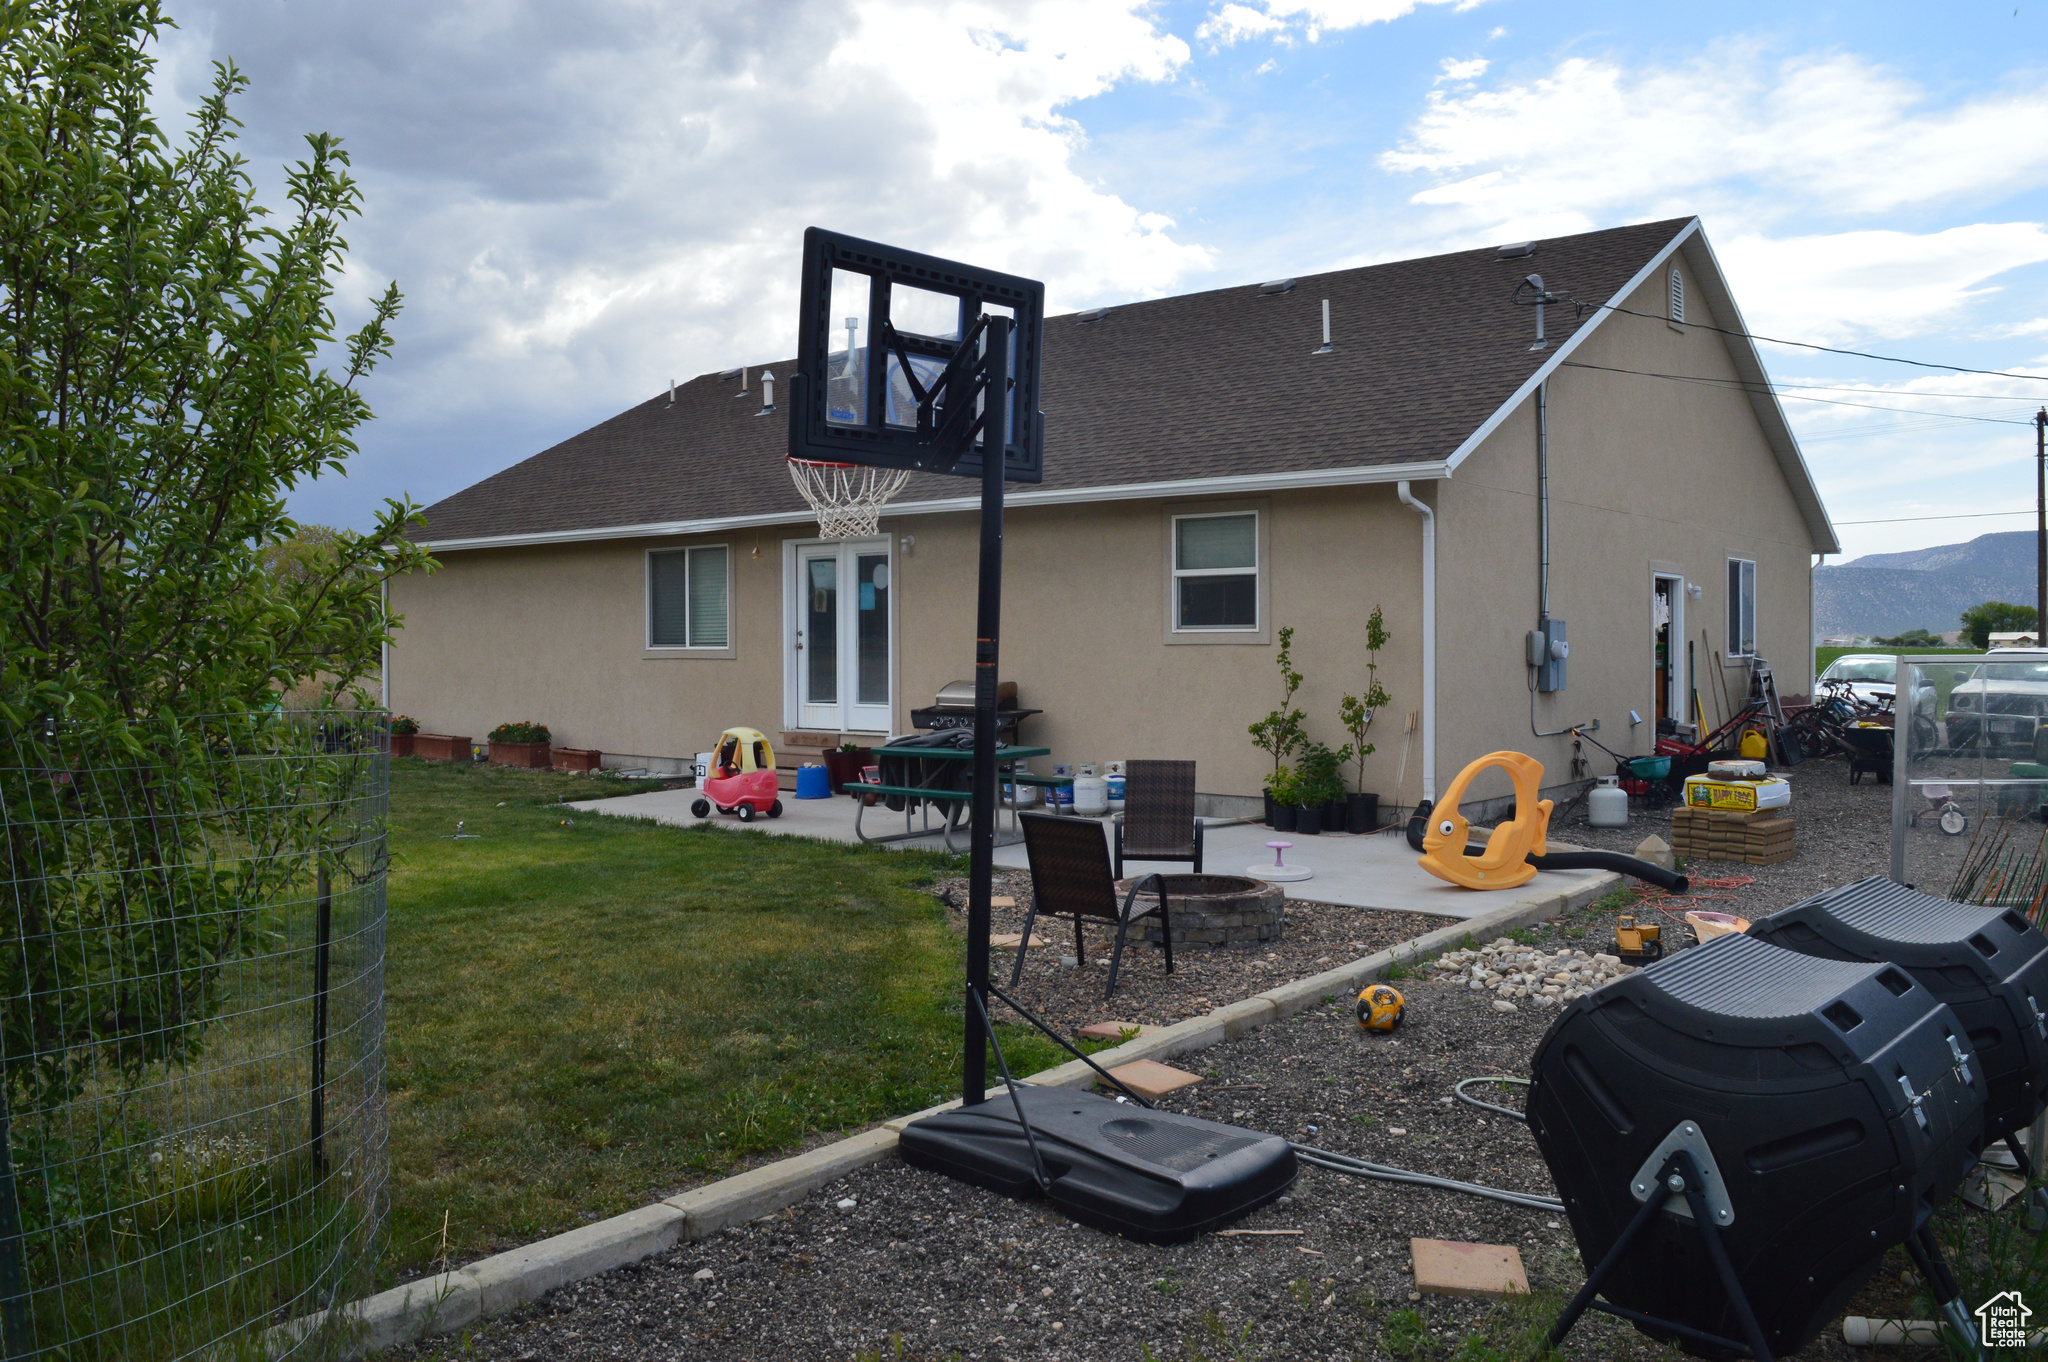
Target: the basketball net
(848, 498)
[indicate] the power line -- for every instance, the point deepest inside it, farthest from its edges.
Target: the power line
(1903, 519)
(1824, 349)
(1742, 386)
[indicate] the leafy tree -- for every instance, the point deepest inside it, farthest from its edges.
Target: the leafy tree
(1980, 622)
(1356, 711)
(1280, 732)
(1912, 638)
(161, 391)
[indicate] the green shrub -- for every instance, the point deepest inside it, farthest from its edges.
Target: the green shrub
(526, 730)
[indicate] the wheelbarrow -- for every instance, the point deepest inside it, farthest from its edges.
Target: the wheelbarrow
(1869, 746)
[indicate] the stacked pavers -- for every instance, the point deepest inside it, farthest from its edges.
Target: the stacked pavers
(1758, 837)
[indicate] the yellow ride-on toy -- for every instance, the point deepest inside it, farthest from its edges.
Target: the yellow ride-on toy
(742, 777)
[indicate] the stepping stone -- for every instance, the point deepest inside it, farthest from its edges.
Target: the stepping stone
(1009, 940)
(1151, 1080)
(1445, 1267)
(1116, 1030)
(1001, 901)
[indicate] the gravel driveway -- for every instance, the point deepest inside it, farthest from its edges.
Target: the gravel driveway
(896, 1254)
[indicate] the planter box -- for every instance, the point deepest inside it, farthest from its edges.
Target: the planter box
(527, 755)
(401, 744)
(440, 747)
(579, 760)
(843, 768)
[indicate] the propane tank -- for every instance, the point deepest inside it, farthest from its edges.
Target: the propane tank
(1091, 792)
(1113, 772)
(1607, 805)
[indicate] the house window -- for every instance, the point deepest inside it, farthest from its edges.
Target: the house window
(1216, 571)
(688, 598)
(1677, 297)
(1741, 608)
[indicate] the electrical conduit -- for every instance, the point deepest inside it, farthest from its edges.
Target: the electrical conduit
(1428, 637)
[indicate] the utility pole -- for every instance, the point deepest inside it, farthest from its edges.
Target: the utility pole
(2041, 527)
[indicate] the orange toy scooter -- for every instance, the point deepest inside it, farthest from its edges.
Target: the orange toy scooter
(1505, 862)
(742, 777)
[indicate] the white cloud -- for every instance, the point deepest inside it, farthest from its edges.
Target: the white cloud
(582, 202)
(1835, 133)
(1873, 283)
(1462, 72)
(1234, 22)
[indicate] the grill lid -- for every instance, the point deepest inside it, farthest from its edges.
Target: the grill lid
(960, 695)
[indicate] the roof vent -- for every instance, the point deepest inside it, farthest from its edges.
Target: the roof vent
(1093, 314)
(1274, 286)
(1327, 347)
(730, 373)
(767, 393)
(1519, 250)
(671, 392)
(741, 374)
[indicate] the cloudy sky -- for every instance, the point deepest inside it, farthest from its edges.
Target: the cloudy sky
(584, 200)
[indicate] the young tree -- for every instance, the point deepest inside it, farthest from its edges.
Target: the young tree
(1980, 622)
(161, 391)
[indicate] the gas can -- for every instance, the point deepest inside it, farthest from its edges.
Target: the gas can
(1607, 804)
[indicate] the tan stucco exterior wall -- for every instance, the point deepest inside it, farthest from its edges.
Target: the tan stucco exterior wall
(556, 634)
(1646, 475)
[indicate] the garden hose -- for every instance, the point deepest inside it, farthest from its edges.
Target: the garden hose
(1646, 871)
(1344, 1163)
(1459, 1092)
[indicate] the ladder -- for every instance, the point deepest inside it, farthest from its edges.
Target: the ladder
(1763, 689)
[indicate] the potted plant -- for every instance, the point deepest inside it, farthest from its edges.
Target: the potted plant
(1318, 783)
(842, 765)
(1362, 813)
(521, 744)
(1280, 733)
(403, 730)
(1280, 814)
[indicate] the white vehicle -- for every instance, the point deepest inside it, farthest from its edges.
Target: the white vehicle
(2001, 702)
(1873, 677)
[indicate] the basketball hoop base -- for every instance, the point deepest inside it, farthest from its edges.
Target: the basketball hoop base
(847, 498)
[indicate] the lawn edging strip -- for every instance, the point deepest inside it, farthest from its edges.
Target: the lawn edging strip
(446, 1302)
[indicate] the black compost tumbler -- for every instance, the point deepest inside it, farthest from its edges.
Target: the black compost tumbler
(1820, 1102)
(1987, 963)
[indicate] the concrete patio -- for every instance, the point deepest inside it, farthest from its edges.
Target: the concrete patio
(1374, 871)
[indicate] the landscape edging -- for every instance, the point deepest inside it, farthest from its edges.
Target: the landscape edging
(504, 1281)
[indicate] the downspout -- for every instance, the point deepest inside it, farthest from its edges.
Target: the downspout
(1542, 501)
(1428, 639)
(1812, 596)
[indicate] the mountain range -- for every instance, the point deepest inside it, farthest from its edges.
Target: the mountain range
(1889, 593)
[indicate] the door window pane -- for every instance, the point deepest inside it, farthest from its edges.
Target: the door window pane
(873, 630)
(667, 600)
(821, 631)
(1741, 607)
(1217, 541)
(708, 627)
(846, 359)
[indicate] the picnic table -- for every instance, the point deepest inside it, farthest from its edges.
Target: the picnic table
(923, 795)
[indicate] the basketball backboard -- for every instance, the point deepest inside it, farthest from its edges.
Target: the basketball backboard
(878, 328)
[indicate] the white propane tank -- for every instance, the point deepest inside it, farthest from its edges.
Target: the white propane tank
(1020, 796)
(1060, 798)
(1113, 772)
(1607, 805)
(1091, 793)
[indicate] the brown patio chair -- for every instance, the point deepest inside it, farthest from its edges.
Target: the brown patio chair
(1070, 875)
(1159, 822)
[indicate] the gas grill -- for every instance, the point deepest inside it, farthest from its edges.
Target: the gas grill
(954, 708)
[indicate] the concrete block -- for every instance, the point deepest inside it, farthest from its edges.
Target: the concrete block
(389, 1319)
(1196, 1033)
(1303, 994)
(1152, 1080)
(765, 1190)
(1448, 1268)
(508, 1280)
(1116, 1030)
(1241, 1017)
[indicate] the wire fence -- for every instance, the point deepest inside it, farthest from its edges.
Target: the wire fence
(192, 1147)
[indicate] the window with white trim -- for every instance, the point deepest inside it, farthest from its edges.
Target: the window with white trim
(1216, 572)
(1741, 608)
(688, 598)
(1677, 297)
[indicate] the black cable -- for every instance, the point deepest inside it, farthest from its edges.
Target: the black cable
(1754, 391)
(1458, 1090)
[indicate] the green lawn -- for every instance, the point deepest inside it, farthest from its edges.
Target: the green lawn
(587, 1011)
(1823, 656)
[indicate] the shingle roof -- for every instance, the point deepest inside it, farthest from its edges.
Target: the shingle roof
(1211, 384)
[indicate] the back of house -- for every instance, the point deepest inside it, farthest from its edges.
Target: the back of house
(1213, 475)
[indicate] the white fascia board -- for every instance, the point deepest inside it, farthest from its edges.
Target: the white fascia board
(1563, 352)
(1064, 496)
(1770, 412)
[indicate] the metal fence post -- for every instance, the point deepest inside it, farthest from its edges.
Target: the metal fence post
(323, 932)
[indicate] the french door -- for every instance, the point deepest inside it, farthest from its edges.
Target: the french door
(841, 647)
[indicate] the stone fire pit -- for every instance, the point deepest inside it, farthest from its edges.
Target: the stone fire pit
(1214, 910)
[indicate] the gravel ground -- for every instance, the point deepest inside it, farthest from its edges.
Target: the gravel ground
(1317, 937)
(896, 1262)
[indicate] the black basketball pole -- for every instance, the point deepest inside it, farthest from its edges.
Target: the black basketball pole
(995, 367)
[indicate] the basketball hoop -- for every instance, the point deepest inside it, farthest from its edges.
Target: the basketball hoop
(848, 498)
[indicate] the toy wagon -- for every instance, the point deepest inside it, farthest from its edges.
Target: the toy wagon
(742, 777)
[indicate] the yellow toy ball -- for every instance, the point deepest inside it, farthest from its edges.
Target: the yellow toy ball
(1380, 1008)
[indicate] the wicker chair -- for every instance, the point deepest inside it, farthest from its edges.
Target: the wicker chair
(1070, 875)
(1159, 822)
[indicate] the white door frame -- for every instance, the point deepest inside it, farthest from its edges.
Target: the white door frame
(844, 716)
(1679, 701)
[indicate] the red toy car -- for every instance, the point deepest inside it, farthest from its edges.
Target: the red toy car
(742, 777)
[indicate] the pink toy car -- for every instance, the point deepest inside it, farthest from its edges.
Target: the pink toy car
(742, 777)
